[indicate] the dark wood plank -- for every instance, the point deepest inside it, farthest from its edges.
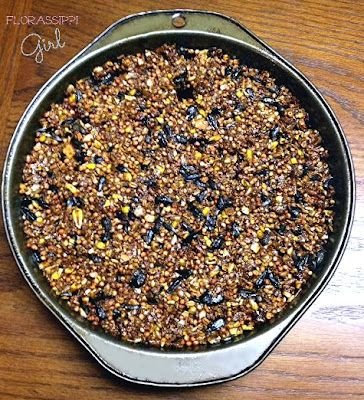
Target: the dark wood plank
(322, 357)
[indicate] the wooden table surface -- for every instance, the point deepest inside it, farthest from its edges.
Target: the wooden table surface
(322, 357)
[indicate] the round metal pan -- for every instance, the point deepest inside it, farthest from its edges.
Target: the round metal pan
(200, 30)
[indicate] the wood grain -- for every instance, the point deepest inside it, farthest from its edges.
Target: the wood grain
(322, 357)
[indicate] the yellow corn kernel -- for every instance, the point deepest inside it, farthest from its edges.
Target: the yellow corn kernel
(205, 211)
(107, 203)
(125, 209)
(100, 245)
(128, 176)
(207, 240)
(129, 98)
(202, 112)
(198, 155)
(77, 215)
(161, 168)
(233, 331)
(293, 160)
(249, 154)
(116, 196)
(248, 327)
(56, 275)
(42, 138)
(128, 129)
(239, 94)
(114, 117)
(160, 120)
(71, 188)
(68, 270)
(132, 92)
(90, 166)
(300, 152)
(253, 304)
(41, 241)
(274, 145)
(216, 138)
(72, 98)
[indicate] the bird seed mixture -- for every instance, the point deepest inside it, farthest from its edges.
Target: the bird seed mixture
(177, 197)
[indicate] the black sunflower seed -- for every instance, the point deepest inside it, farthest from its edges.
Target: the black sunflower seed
(149, 236)
(100, 312)
(174, 285)
(122, 168)
(216, 325)
(268, 100)
(80, 156)
(106, 224)
(42, 203)
(180, 79)
(195, 211)
(298, 197)
(54, 189)
(301, 261)
(274, 133)
(162, 139)
(29, 215)
(182, 139)
(75, 201)
(186, 53)
(210, 300)
(201, 196)
(265, 239)
(191, 113)
(190, 237)
(295, 212)
(329, 182)
(211, 221)
(101, 183)
(246, 293)
(184, 273)
(297, 230)
(138, 278)
(250, 93)
(218, 243)
(266, 201)
(94, 258)
(36, 256)
(162, 199)
(185, 93)
(212, 184)
(315, 178)
(98, 159)
(273, 279)
(235, 229)
(212, 121)
(236, 73)
(224, 202)
(228, 71)
(105, 237)
(151, 183)
(131, 307)
(77, 144)
(282, 229)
